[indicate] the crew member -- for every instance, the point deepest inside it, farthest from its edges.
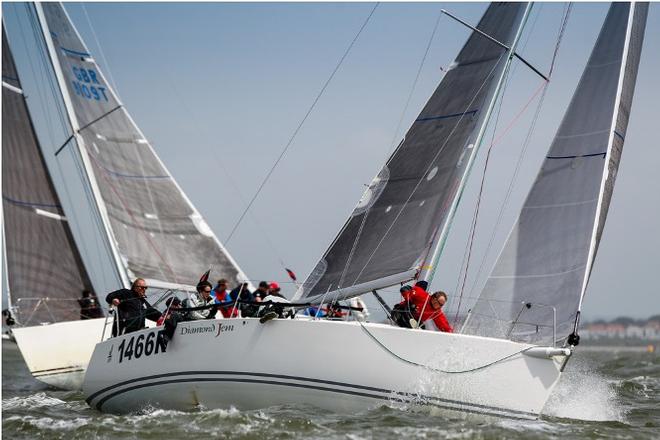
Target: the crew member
(421, 299)
(222, 295)
(132, 308)
(202, 298)
(89, 306)
(261, 292)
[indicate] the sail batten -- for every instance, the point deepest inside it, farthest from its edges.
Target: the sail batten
(395, 225)
(155, 231)
(562, 219)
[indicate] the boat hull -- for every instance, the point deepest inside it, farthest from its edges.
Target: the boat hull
(335, 365)
(58, 354)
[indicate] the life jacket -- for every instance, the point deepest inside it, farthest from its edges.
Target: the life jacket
(403, 313)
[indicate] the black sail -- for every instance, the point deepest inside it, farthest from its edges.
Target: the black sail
(391, 232)
(157, 232)
(546, 262)
(44, 269)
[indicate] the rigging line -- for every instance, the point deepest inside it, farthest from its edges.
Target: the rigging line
(295, 132)
(396, 134)
(59, 150)
(481, 189)
(226, 173)
(439, 370)
(55, 92)
(414, 85)
(432, 161)
(43, 67)
(130, 214)
(40, 92)
(468, 249)
(98, 44)
(36, 29)
(526, 144)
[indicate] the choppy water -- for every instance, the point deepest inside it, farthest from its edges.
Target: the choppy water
(603, 394)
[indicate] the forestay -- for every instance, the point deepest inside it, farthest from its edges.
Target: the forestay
(391, 232)
(44, 269)
(157, 232)
(547, 259)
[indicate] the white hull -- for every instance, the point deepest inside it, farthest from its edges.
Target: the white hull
(58, 354)
(336, 365)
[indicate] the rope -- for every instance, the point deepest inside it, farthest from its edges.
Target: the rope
(414, 85)
(46, 66)
(295, 132)
(481, 190)
(439, 370)
(98, 44)
(430, 165)
(526, 143)
(396, 133)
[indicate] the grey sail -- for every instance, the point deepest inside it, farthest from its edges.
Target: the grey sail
(390, 235)
(45, 274)
(548, 256)
(154, 228)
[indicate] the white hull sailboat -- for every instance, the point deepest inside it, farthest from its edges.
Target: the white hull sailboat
(517, 338)
(142, 224)
(58, 353)
(245, 364)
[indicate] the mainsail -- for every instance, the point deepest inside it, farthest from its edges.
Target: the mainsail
(44, 269)
(545, 264)
(155, 231)
(406, 209)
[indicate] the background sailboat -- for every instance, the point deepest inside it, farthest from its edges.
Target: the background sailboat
(146, 224)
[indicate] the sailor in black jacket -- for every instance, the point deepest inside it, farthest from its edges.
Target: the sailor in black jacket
(132, 308)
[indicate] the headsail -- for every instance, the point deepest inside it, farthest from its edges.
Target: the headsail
(44, 269)
(547, 259)
(154, 228)
(392, 230)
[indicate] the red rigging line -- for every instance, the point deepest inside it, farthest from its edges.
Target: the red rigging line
(130, 214)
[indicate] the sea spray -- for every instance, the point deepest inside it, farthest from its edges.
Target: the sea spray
(584, 394)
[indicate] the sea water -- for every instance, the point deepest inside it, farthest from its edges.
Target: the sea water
(604, 393)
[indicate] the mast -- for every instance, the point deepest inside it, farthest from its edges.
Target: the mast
(77, 139)
(428, 270)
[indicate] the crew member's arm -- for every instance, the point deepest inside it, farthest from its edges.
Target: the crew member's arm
(152, 314)
(442, 323)
(114, 298)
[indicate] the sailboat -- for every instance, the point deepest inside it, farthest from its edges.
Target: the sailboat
(506, 359)
(146, 226)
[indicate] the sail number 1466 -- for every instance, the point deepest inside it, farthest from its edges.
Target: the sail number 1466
(142, 345)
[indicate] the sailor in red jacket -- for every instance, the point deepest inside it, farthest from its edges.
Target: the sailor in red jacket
(425, 309)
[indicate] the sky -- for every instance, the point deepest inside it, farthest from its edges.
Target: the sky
(219, 88)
